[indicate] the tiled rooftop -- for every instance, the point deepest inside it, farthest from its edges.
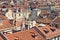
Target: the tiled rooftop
(21, 16)
(47, 30)
(5, 24)
(25, 35)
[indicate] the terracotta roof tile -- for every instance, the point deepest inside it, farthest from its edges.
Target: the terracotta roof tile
(49, 32)
(24, 35)
(3, 17)
(44, 20)
(44, 12)
(6, 24)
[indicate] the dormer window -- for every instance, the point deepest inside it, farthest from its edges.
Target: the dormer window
(46, 31)
(52, 29)
(34, 35)
(16, 38)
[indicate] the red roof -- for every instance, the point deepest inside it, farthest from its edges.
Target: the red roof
(49, 32)
(3, 17)
(24, 35)
(44, 20)
(44, 12)
(6, 24)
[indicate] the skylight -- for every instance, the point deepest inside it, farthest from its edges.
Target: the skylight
(46, 31)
